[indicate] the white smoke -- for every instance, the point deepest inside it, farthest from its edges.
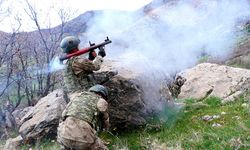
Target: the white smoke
(55, 65)
(172, 37)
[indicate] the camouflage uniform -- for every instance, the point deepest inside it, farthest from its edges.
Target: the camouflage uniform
(79, 73)
(84, 114)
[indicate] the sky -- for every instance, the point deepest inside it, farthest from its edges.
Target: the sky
(47, 10)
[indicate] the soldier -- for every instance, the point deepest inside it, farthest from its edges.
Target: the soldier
(78, 74)
(85, 114)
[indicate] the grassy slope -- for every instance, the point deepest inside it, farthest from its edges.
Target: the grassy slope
(185, 129)
(190, 131)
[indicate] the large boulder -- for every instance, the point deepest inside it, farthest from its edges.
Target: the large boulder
(125, 96)
(41, 121)
(126, 104)
(133, 97)
(221, 81)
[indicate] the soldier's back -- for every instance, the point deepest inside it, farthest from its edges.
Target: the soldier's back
(82, 105)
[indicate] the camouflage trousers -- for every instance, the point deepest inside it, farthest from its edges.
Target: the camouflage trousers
(77, 134)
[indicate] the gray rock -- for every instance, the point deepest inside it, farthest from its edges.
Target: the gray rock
(19, 113)
(210, 118)
(207, 79)
(216, 125)
(207, 118)
(13, 143)
(133, 97)
(126, 105)
(41, 121)
(216, 116)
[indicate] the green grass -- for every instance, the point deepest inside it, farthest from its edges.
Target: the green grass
(177, 128)
(44, 145)
(204, 59)
(190, 131)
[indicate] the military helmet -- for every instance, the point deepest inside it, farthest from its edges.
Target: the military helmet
(69, 43)
(99, 89)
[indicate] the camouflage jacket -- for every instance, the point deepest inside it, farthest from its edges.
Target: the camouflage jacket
(87, 106)
(78, 73)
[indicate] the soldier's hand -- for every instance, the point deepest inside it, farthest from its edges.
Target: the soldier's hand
(102, 52)
(92, 55)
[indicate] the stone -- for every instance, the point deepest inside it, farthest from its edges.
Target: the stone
(42, 120)
(244, 105)
(13, 143)
(133, 97)
(216, 125)
(126, 105)
(207, 118)
(206, 79)
(19, 113)
(223, 113)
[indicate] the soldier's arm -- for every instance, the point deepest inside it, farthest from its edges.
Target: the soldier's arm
(81, 64)
(102, 106)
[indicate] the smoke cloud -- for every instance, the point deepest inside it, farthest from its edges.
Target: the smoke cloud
(55, 65)
(173, 36)
(169, 38)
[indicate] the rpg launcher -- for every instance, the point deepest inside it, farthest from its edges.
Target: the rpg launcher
(92, 47)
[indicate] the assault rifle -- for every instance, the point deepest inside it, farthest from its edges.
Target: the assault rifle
(92, 47)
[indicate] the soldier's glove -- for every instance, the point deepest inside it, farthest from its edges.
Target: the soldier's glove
(92, 55)
(102, 51)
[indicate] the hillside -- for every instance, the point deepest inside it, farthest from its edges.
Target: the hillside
(161, 93)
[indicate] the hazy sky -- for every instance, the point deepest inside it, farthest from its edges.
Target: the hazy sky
(47, 10)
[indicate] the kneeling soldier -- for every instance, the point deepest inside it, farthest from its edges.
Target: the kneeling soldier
(85, 114)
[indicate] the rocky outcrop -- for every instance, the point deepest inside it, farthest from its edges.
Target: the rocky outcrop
(41, 121)
(132, 96)
(221, 81)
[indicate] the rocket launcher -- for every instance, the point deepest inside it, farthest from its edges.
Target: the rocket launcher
(92, 47)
